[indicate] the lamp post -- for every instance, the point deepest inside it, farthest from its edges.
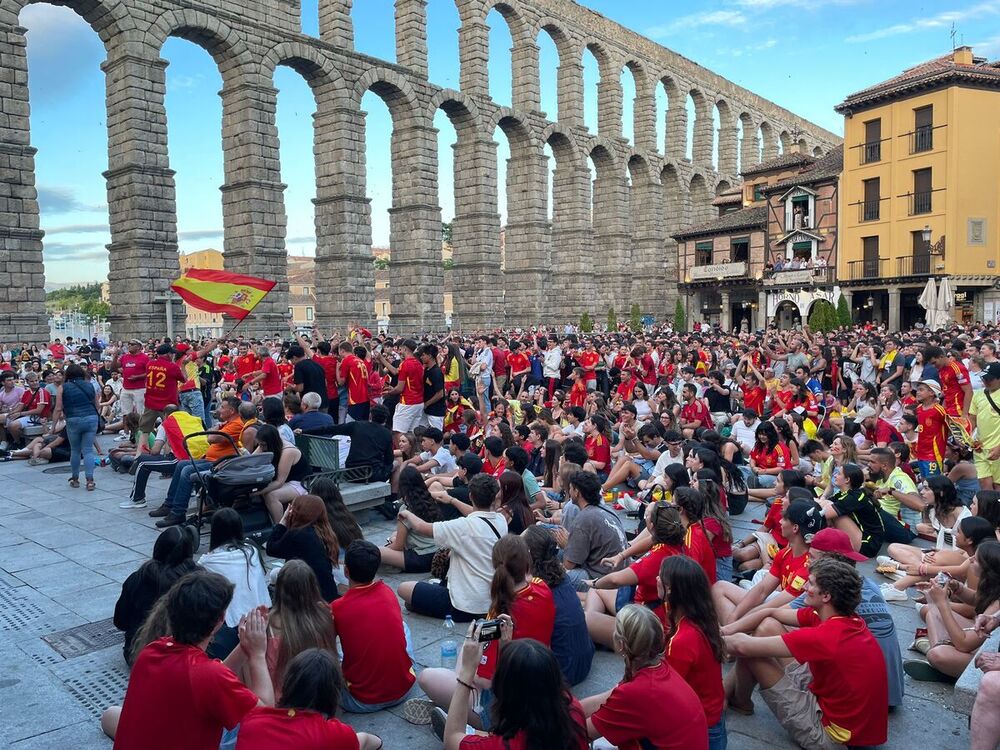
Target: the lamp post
(938, 247)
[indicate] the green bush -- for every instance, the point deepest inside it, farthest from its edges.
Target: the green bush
(680, 318)
(612, 319)
(824, 317)
(844, 317)
(635, 318)
(586, 324)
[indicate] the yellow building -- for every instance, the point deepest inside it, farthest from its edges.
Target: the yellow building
(200, 323)
(920, 196)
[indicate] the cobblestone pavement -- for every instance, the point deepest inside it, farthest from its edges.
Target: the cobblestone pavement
(65, 552)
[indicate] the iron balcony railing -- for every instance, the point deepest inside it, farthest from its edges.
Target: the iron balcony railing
(921, 202)
(914, 265)
(875, 268)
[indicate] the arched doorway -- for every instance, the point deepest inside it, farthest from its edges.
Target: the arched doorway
(787, 316)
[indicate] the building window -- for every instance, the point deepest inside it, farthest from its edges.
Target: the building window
(870, 208)
(870, 264)
(305, 290)
(802, 251)
(740, 250)
(923, 129)
(703, 253)
(758, 191)
(309, 313)
(922, 192)
(871, 149)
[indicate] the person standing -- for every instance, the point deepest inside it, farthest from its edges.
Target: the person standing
(77, 400)
(434, 401)
(985, 415)
(133, 369)
(353, 372)
(162, 378)
(410, 388)
(308, 376)
(932, 429)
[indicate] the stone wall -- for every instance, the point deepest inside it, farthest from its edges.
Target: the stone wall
(556, 269)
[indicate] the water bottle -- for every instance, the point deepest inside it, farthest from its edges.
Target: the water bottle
(449, 646)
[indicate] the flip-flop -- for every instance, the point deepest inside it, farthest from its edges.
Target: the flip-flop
(924, 672)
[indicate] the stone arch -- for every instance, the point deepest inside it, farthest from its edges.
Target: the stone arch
(722, 186)
(725, 139)
(768, 143)
(699, 200)
(228, 50)
(673, 196)
(462, 110)
(817, 151)
(316, 68)
(608, 222)
(784, 142)
(803, 146)
(569, 75)
(701, 142)
(643, 108)
(646, 224)
(676, 119)
(109, 18)
(391, 87)
(572, 236)
(609, 90)
(749, 151)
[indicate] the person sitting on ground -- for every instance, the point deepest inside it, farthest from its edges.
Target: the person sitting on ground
(231, 555)
(854, 510)
(901, 505)
(623, 715)
(642, 449)
(759, 547)
(434, 458)
(697, 545)
(305, 715)
(825, 682)
(173, 558)
(374, 640)
(571, 644)
(517, 461)
(313, 420)
(787, 575)
(532, 705)
(597, 533)
(514, 503)
(407, 549)
(304, 533)
(291, 467)
(694, 647)
(176, 669)
(371, 443)
(637, 582)
(470, 539)
(514, 594)
(48, 449)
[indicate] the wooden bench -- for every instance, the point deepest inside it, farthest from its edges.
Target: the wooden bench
(323, 454)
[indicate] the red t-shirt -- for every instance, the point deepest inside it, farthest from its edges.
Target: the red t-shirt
(777, 458)
(368, 622)
(953, 377)
(578, 393)
(772, 522)
(499, 361)
(329, 364)
(58, 351)
(271, 384)
(355, 376)
(791, 571)
(883, 433)
(266, 728)
(177, 697)
(246, 364)
(658, 706)
(518, 363)
(697, 411)
(699, 549)
(849, 676)
(494, 469)
(932, 433)
(690, 654)
(287, 371)
(599, 449)
(133, 367)
(519, 741)
(784, 400)
(534, 615)
(647, 570)
(411, 375)
(162, 378)
(753, 398)
(588, 361)
(33, 399)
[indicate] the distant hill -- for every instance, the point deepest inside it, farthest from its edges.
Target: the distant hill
(83, 297)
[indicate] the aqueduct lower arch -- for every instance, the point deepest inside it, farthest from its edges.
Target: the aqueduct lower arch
(554, 267)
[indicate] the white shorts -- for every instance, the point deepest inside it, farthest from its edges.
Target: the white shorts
(133, 401)
(434, 421)
(407, 416)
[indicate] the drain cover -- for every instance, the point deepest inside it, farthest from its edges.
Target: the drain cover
(16, 612)
(57, 470)
(95, 681)
(85, 639)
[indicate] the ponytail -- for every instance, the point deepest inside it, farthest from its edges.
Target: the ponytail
(511, 563)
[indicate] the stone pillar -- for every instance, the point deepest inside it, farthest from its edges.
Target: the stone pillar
(728, 144)
(609, 106)
(612, 241)
(474, 57)
(141, 199)
(253, 208)
(335, 24)
(770, 150)
(644, 121)
(749, 150)
(477, 281)
(527, 95)
(22, 275)
(573, 242)
(725, 317)
(417, 287)
(527, 239)
(677, 117)
(411, 35)
(343, 219)
(570, 93)
(647, 272)
(893, 323)
(762, 310)
(701, 150)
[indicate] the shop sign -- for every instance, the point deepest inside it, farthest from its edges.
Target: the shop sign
(718, 270)
(801, 299)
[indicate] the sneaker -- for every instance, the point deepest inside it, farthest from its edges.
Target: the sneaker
(163, 510)
(438, 719)
(37, 461)
(884, 560)
(746, 585)
(173, 519)
(126, 505)
(3, 445)
(891, 594)
(924, 672)
(921, 645)
(418, 711)
(920, 607)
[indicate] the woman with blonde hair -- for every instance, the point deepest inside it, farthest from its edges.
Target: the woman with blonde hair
(622, 715)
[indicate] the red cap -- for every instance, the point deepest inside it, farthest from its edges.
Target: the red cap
(835, 540)
(182, 348)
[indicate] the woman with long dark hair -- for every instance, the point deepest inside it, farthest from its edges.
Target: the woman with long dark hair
(695, 648)
(407, 549)
(768, 456)
(272, 412)
(696, 542)
(716, 522)
(514, 503)
(552, 450)
(291, 467)
(76, 399)
(173, 558)
(305, 714)
(854, 510)
(304, 533)
(345, 526)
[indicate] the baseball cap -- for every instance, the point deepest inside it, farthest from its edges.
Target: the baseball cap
(992, 371)
(182, 348)
(835, 540)
(134, 342)
(933, 385)
(864, 413)
(808, 516)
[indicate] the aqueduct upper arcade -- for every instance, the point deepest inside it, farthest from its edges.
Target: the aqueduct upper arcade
(603, 234)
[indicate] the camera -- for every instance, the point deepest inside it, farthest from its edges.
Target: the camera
(489, 630)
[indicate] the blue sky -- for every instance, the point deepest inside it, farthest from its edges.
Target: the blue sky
(803, 54)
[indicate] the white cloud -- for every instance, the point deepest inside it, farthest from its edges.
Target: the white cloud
(987, 47)
(942, 20)
(806, 4)
(727, 18)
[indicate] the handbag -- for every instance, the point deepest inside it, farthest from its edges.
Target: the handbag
(101, 422)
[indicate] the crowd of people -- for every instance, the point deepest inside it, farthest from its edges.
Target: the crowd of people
(516, 461)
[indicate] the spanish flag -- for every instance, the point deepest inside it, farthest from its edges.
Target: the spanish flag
(221, 292)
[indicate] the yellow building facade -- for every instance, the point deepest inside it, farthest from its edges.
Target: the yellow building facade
(919, 194)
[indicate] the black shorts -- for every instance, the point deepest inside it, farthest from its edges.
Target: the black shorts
(359, 412)
(416, 563)
(433, 600)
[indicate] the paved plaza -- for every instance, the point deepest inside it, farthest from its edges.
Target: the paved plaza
(65, 552)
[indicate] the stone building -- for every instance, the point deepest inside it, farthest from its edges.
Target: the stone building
(602, 233)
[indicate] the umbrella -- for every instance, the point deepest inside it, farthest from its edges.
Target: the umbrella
(928, 301)
(945, 304)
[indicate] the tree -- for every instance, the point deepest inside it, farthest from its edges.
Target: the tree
(448, 264)
(824, 317)
(680, 318)
(612, 319)
(635, 318)
(586, 324)
(446, 230)
(381, 263)
(844, 317)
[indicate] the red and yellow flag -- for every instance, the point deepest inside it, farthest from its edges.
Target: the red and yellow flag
(221, 292)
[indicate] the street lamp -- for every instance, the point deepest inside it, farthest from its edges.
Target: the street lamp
(938, 247)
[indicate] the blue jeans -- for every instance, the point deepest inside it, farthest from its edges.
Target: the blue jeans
(717, 738)
(81, 432)
(724, 568)
(193, 403)
(179, 492)
(767, 481)
(487, 384)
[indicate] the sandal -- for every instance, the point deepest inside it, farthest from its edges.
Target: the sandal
(74, 482)
(90, 485)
